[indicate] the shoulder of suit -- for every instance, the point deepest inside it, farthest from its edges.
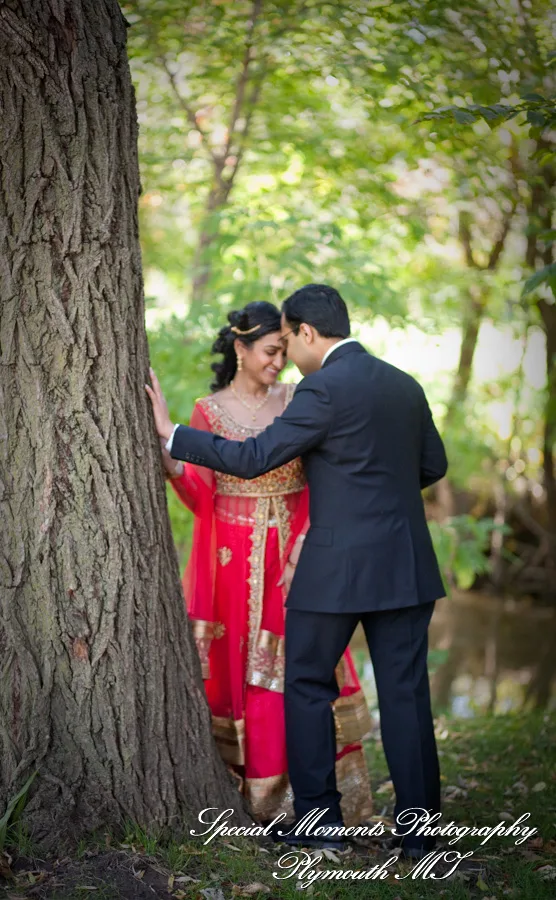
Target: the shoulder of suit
(315, 382)
(400, 373)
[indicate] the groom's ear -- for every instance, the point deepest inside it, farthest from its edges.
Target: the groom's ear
(308, 332)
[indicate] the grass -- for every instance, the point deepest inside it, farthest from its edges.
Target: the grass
(493, 768)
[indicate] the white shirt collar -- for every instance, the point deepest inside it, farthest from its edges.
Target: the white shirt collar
(335, 347)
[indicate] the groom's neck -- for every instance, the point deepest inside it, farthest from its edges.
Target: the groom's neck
(326, 344)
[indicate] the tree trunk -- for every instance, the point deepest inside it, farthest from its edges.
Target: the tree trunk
(548, 313)
(469, 337)
(101, 688)
(210, 227)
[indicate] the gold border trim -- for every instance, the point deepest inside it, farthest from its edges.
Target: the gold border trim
(268, 662)
(256, 580)
(268, 797)
(229, 735)
(351, 718)
(203, 633)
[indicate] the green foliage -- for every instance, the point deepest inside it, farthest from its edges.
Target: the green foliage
(461, 546)
(546, 275)
(180, 356)
(537, 111)
(13, 813)
(387, 149)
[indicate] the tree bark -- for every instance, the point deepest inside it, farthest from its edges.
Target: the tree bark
(101, 687)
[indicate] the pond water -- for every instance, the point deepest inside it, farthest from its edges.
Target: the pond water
(486, 653)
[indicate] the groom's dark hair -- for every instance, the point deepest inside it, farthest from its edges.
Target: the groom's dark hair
(320, 306)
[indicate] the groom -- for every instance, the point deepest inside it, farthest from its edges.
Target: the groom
(369, 445)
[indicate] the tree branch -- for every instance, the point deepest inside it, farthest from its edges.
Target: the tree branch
(243, 76)
(464, 232)
(189, 112)
(498, 247)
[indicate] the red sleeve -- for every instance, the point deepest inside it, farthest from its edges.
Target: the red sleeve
(196, 484)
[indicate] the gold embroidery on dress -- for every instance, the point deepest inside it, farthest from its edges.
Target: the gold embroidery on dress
(224, 555)
(352, 777)
(219, 630)
(351, 718)
(341, 674)
(265, 655)
(268, 797)
(282, 521)
(203, 632)
(268, 662)
(287, 479)
(229, 735)
(256, 578)
(266, 650)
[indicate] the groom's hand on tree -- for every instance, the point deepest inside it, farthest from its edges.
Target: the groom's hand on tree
(162, 419)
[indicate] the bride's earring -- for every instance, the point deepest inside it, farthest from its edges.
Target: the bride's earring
(239, 363)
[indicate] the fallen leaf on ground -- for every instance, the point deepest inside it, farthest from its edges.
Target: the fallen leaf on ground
(385, 788)
(231, 846)
(250, 889)
(212, 894)
(6, 866)
(535, 844)
(181, 879)
(548, 873)
(539, 786)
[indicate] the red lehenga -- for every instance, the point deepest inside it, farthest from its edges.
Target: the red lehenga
(242, 532)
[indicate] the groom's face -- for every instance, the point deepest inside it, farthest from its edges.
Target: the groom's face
(299, 347)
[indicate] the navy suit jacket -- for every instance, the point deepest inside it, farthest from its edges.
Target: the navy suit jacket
(369, 445)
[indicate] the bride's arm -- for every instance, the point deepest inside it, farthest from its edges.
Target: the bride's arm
(300, 527)
(189, 481)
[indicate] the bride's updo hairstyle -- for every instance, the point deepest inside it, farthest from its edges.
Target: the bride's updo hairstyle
(249, 324)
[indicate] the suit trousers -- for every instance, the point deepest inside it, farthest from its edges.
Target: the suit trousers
(398, 645)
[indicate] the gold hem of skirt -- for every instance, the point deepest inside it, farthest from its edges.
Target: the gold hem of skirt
(268, 797)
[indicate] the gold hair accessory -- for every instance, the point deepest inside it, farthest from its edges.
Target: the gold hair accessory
(237, 330)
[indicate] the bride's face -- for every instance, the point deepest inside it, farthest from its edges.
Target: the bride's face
(265, 358)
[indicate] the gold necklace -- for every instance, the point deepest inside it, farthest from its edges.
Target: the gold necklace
(252, 409)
